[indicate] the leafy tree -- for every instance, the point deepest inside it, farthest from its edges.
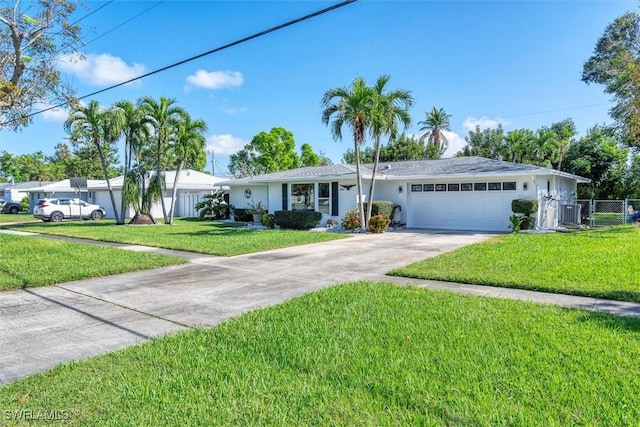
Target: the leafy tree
(29, 167)
(388, 109)
(565, 131)
(517, 145)
(434, 125)
(367, 154)
(32, 37)
(165, 115)
(632, 179)
(350, 106)
(615, 63)
(267, 152)
(600, 157)
(484, 143)
(99, 129)
(308, 157)
(188, 146)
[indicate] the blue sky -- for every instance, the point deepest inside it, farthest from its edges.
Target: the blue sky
(485, 62)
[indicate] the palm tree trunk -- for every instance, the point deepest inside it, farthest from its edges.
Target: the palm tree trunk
(174, 191)
(159, 180)
(127, 166)
(373, 181)
(359, 181)
(103, 162)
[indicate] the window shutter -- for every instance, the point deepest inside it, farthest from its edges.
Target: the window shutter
(285, 197)
(334, 199)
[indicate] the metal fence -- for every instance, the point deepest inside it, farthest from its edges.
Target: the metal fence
(598, 213)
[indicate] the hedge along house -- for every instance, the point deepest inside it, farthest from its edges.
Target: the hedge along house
(192, 187)
(460, 193)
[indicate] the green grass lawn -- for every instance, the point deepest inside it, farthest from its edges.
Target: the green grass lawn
(35, 261)
(207, 237)
(9, 218)
(599, 263)
(361, 354)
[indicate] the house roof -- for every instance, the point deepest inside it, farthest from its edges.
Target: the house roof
(189, 180)
(417, 169)
(23, 185)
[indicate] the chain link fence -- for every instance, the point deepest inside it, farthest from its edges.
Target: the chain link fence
(601, 213)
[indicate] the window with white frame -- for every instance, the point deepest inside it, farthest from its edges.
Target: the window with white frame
(302, 197)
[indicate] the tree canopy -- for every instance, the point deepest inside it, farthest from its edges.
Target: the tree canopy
(32, 37)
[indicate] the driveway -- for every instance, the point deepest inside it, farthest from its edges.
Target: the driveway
(42, 327)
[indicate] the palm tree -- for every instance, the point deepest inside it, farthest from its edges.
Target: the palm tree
(136, 130)
(188, 147)
(165, 117)
(434, 125)
(98, 128)
(388, 109)
(351, 106)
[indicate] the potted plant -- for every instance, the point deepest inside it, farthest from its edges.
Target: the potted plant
(256, 209)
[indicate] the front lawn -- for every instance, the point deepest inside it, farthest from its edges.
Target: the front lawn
(601, 263)
(35, 261)
(360, 354)
(20, 217)
(207, 237)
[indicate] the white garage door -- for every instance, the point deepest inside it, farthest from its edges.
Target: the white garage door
(481, 210)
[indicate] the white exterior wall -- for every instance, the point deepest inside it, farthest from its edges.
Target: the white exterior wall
(259, 193)
(552, 196)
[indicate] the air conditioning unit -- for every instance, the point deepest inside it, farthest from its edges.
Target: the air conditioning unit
(570, 214)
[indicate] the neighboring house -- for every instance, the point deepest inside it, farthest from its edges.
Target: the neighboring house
(192, 186)
(15, 192)
(461, 193)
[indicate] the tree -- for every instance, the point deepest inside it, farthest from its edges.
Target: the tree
(600, 157)
(484, 143)
(615, 63)
(32, 37)
(565, 131)
(517, 145)
(188, 147)
(98, 128)
(434, 126)
(165, 115)
(367, 155)
(308, 157)
(267, 152)
(350, 106)
(388, 109)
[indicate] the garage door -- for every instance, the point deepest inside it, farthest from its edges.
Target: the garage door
(460, 206)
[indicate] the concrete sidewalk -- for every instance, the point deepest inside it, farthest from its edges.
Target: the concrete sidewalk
(42, 327)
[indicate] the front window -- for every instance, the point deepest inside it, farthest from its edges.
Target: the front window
(302, 197)
(324, 197)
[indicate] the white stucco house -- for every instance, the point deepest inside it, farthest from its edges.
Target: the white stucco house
(192, 186)
(15, 192)
(461, 193)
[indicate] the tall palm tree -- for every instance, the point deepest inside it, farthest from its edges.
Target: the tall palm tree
(389, 108)
(135, 129)
(165, 116)
(350, 106)
(188, 147)
(99, 128)
(434, 125)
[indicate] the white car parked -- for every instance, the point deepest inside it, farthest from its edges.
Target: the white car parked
(58, 209)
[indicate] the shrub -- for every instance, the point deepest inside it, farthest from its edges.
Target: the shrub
(241, 215)
(25, 203)
(213, 206)
(351, 220)
(297, 220)
(267, 220)
(380, 207)
(516, 223)
(379, 223)
(524, 206)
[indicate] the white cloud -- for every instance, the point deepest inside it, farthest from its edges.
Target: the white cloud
(234, 110)
(215, 79)
(225, 144)
(57, 115)
(470, 123)
(99, 70)
(456, 143)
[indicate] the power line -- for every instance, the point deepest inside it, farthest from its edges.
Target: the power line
(125, 22)
(92, 12)
(209, 52)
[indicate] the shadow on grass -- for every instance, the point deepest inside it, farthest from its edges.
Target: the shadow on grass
(609, 321)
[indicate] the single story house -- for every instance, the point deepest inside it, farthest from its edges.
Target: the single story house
(15, 192)
(192, 187)
(461, 193)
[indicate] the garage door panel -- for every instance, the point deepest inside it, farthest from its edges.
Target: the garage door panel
(484, 210)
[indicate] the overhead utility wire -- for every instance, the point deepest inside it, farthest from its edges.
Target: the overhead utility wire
(209, 52)
(124, 22)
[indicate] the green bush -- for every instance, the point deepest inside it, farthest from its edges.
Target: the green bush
(297, 220)
(241, 215)
(267, 220)
(381, 207)
(524, 206)
(213, 206)
(379, 223)
(351, 220)
(25, 203)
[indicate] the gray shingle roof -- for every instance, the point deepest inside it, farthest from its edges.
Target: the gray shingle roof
(467, 166)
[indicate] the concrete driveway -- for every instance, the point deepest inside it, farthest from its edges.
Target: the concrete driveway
(42, 327)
